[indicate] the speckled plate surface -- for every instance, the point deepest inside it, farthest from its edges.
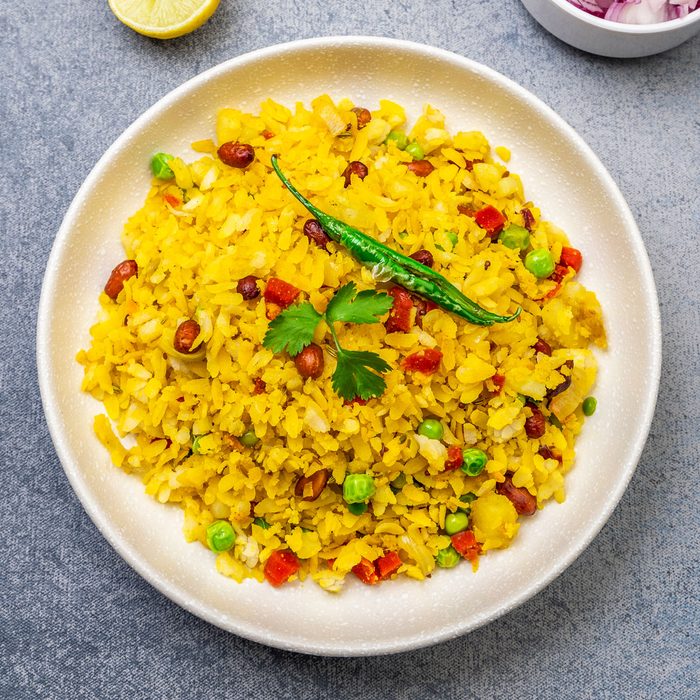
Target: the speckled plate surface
(560, 173)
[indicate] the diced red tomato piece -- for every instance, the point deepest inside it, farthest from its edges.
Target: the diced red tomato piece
(426, 361)
(400, 315)
(172, 200)
(357, 400)
(366, 572)
(560, 271)
(454, 458)
(499, 382)
(330, 563)
(553, 292)
(280, 566)
(467, 546)
(571, 257)
(387, 565)
(491, 220)
(279, 292)
(272, 311)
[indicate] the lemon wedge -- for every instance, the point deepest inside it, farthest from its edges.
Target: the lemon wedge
(163, 19)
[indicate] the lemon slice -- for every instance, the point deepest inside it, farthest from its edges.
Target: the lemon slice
(163, 19)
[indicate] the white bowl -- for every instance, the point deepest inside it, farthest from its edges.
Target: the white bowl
(560, 173)
(606, 38)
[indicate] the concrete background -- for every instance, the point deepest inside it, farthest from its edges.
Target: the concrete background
(77, 622)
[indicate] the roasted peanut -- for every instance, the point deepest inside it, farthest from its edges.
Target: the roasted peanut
(309, 361)
(562, 386)
(364, 116)
(421, 168)
(237, 155)
(542, 346)
(548, 453)
(523, 501)
(247, 287)
(535, 425)
(119, 275)
(355, 168)
(185, 335)
(528, 219)
(315, 233)
(310, 487)
(424, 257)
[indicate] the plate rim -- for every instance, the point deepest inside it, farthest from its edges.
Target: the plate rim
(149, 572)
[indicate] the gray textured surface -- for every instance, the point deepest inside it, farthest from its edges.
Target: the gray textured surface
(77, 622)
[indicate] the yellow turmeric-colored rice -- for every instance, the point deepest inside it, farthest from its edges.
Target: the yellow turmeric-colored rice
(200, 232)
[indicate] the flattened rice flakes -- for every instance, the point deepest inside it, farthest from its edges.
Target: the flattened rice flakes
(227, 429)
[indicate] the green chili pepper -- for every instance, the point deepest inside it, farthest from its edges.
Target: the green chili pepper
(388, 264)
(261, 522)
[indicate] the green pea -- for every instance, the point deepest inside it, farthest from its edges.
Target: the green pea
(399, 482)
(456, 522)
(540, 262)
(261, 522)
(357, 508)
(220, 536)
(447, 558)
(403, 234)
(589, 405)
(474, 461)
(196, 444)
(452, 237)
(399, 138)
(431, 428)
(515, 237)
(249, 438)
(415, 151)
(358, 488)
(160, 167)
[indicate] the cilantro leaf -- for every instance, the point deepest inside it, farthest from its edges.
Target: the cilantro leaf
(293, 329)
(350, 307)
(353, 377)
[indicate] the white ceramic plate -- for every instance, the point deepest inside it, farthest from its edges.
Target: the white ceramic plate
(560, 173)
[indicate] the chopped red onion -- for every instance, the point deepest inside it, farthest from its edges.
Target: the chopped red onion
(637, 11)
